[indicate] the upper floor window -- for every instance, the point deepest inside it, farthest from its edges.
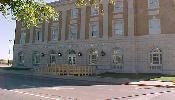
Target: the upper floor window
(56, 18)
(73, 31)
(54, 34)
(74, 13)
(94, 29)
(118, 27)
(23, 24)
(153, 4)
(118, 6)
(38, 35)
(94, 11)
(154, 26)
(22, 38)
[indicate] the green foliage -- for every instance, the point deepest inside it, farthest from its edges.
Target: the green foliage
(33, 12)
(80, 3)
(28, 11)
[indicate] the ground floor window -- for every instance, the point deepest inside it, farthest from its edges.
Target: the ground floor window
(53, 57)
(72, 57)
(21, 58)
(118, 58)
(93, 54)
(156, 58)
(36, 58)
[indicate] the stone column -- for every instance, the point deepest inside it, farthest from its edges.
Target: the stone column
(105, 19)
(131, 20)
(31, 34)
(63, 25)
(46, 32)
(83, 20)
(131, 29)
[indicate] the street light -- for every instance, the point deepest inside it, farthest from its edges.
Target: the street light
(9, 52)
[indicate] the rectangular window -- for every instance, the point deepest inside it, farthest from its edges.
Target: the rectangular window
(154, 26)
(22, 38)
(156, 59)
(23, 24)
(56, 18)
(92, 59)
(53, 58)
(118, 27)
(74, 13)
(73, 31)
(153, 4)
(38, 36)
(21, 58)
(54, 34)
(36, 59)
(118, 6)
(94, 29)
(94, 11)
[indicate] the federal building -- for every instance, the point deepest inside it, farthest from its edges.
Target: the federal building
(131, 36)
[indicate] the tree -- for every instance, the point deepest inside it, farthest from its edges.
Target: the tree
(29, 11)
(34, 11)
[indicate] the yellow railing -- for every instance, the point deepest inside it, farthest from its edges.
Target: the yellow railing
(55, 69)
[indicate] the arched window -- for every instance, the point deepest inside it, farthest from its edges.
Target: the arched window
(21, 58)
(52, 57)
(93, 54)
(156, 58)
(36, 58)
(72, 57)
(118, 58)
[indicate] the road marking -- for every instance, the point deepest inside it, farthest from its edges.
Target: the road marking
(37, 95)
(53, 98)
(146, 94)
(40, 95)
(26, 93)
(31, 94)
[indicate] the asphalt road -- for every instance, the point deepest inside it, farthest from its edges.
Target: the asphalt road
(22, 87)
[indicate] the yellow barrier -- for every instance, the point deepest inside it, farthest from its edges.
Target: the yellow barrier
(76, 70)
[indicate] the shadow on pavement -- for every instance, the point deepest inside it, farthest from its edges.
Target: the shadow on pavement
(21, 81)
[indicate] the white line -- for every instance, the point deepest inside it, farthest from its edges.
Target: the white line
(26, 93)
(47, 97)
(21, 92)
(41, 96)
(31, 94)
(53, 98)
(16, 91)
(37, 95)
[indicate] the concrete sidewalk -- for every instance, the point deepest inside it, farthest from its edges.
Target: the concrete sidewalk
(154, 83)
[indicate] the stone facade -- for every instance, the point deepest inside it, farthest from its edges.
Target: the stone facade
(136, 42)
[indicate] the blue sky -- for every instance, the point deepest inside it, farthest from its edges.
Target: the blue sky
(7, 32)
